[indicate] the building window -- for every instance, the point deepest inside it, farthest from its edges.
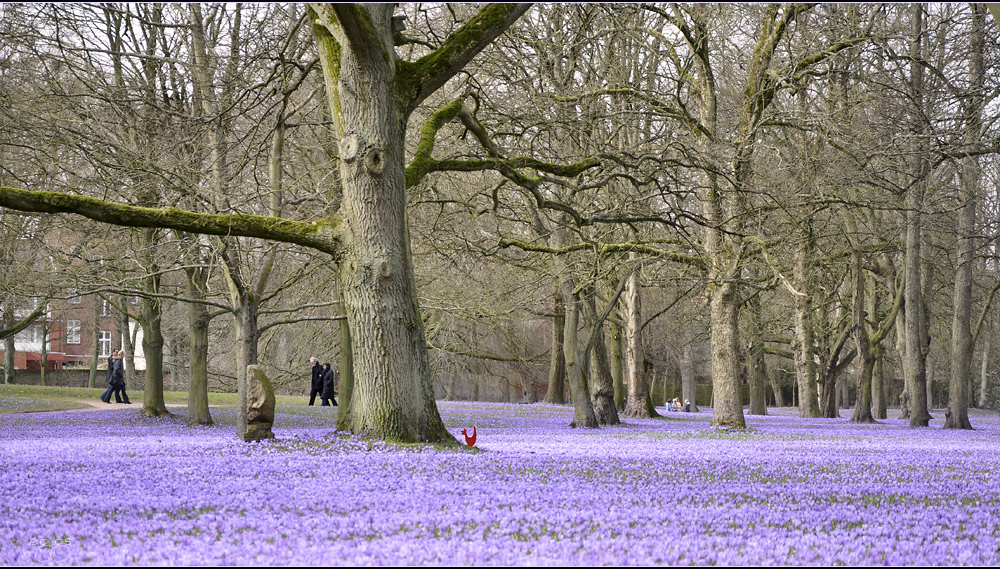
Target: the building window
(105, 308)
(105, 343)
(72, 331)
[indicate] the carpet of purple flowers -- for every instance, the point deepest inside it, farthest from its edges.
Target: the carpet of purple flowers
(111, 487)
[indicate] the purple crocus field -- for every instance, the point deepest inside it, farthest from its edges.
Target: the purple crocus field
(111, 487)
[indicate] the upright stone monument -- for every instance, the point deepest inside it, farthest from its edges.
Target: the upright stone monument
(258, 408)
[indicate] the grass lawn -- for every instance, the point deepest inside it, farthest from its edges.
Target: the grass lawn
(34, 398)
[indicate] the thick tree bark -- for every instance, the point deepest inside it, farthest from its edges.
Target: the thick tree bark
(198, 319)
(603, 396)
(728, 409)
(371, 95)
(583, 410)
(528, 393)
(774, 376)
(638, 403)
(557, 365)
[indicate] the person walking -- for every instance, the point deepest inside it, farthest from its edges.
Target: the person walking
(328, 386)
(317, 380)
(116, 379)
(121, 386)
(106, 396)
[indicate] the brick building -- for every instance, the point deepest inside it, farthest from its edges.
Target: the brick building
(69, 327)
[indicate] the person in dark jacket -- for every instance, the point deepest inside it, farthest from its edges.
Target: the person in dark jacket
(121, 383)
(116, 379)
(317, 380)
(328, 385)
(106, 397)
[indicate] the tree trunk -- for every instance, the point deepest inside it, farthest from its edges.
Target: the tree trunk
(198, 319)
(756, 370)
(346, 369)
(393, 395)
(917, 373)
(152, 343)
(804, 347)
(984, 377)
(617, 372)
(8, 360)
(128, 347)
(962, 341)
(557, 366)
(583, 411)
(688, 389)
(638, 403)
(779, 397)
(44, 372)
(245, 325)
(725, 307)
(528, 388)
(863, 405)
(878, 387)
(96, 340)
(603, 398)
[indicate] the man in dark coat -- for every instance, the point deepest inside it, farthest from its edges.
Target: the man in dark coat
(317, 381)
(106, 397)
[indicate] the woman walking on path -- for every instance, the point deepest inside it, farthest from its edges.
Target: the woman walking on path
(328, 385)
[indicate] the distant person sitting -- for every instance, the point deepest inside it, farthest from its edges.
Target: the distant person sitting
(687, 405)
